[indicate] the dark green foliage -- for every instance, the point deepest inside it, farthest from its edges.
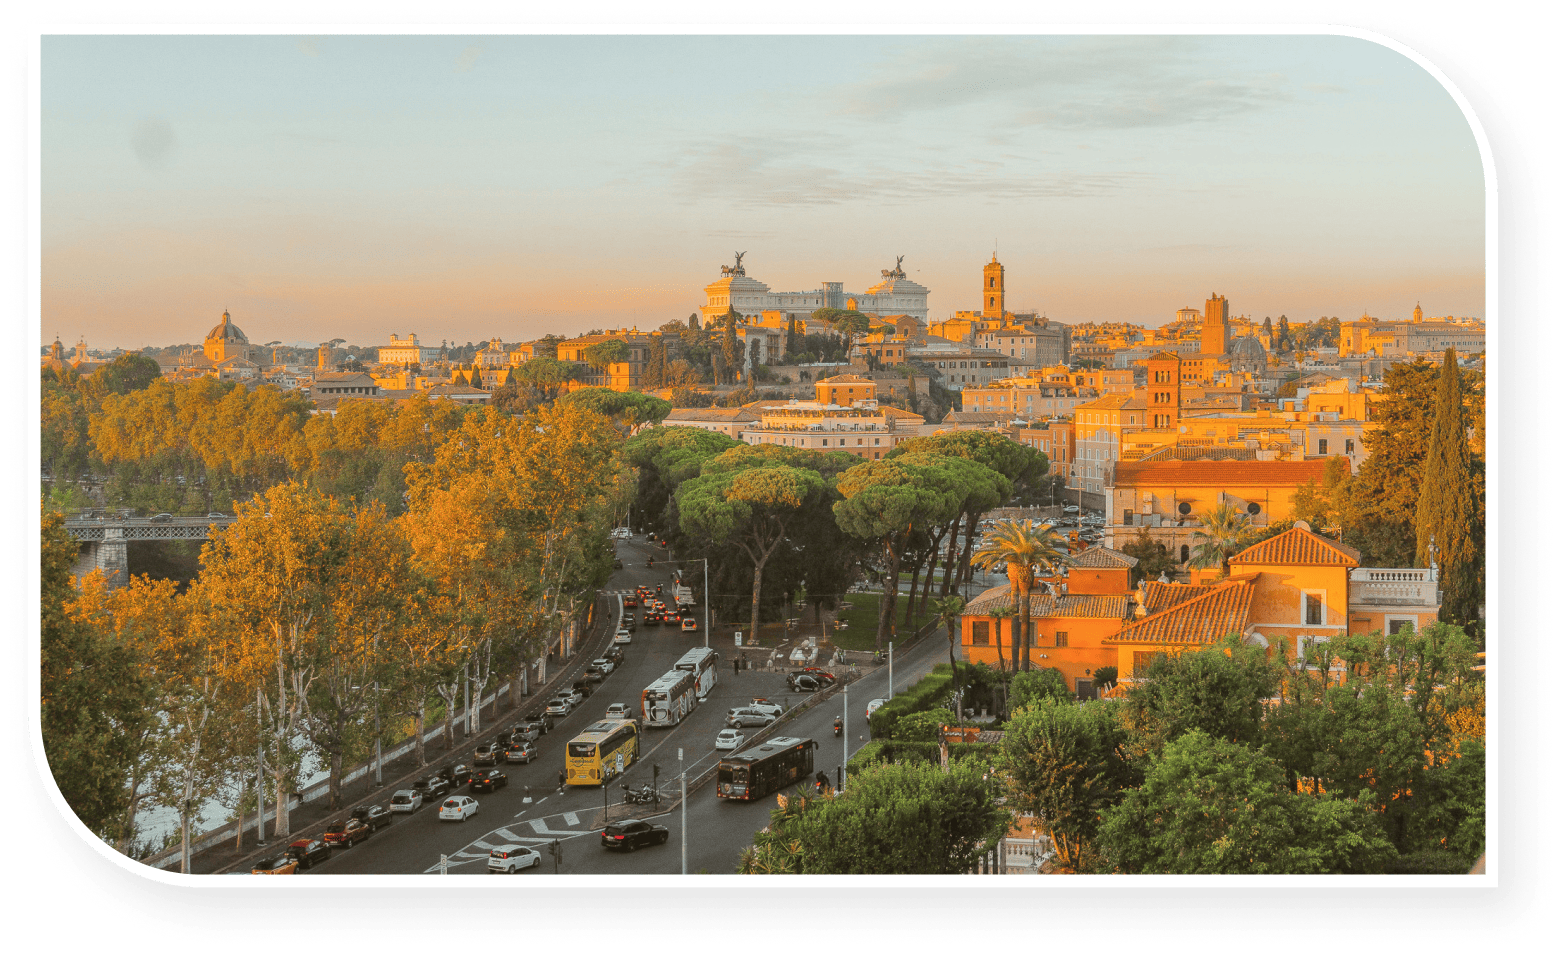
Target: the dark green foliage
(1153, 558)
(1104, 676)
(94, 697)
(1218, 690)
(1212, 806)
(933, 691)
(1449, 522)
(893, 751)
(1036, 685)
(127, 372)
(904, 818)
(1429, 862)
(630, 409)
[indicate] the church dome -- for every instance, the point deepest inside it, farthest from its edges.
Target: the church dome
(227, 332)
(1248, 348)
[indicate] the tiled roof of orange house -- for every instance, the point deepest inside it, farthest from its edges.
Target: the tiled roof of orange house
(1207, 618)
(887, 411)
(1298, 547)
(1107, 402)
(1042, 605)
(1158, 596)
(1219, 472)
(847, 379)
(1103, 557)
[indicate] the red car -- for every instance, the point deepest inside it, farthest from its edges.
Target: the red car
(629, 602)
(347, 833)
(820, 673)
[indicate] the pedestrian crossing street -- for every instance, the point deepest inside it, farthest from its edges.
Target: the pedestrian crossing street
(535, 833)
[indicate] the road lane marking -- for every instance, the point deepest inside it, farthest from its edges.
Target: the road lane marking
(571, 819)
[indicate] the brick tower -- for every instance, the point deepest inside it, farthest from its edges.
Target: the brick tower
(993, 293)
(1215, 326)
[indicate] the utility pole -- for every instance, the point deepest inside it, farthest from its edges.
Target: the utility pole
(378, 751)
(683, 769)
(890, 670)
(706, 602)
(845, 763)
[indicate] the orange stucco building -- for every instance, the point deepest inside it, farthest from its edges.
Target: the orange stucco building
(1283, 594)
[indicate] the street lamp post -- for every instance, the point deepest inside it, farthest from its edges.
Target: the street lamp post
(844, 765)
(682, 768)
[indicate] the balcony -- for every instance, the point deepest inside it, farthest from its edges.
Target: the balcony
(1393, 587)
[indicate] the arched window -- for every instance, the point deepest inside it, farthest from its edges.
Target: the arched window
(1185, 554)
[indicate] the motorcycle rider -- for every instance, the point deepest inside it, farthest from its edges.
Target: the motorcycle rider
(838, 725)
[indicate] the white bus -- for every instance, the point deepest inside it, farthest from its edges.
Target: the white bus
(701, 662)
(669, 699)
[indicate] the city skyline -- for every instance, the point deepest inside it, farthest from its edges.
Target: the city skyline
(462, 187)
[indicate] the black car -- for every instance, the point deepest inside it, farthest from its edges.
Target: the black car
(490, 780)
(308, 852)
(524, 751)
(594, 677)
(630, 623)
(804, 683)
(584, 688)
(432, 788)
(614, 653)
(631, 835)
(455, 774)
(487, 754)
(506, 737)
(373, 815)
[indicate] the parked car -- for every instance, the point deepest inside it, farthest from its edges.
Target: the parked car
(432, 787)
(743, 717)
(826, 676)
(729, 739)
(487, 753)
(623, 637)
(576, 694)
(803, 683)
(308, 852)
(631, 835)
(405, 801)
(347, 833)
(490, 780)
(520, 751)
(617, 564)
(764, 705)
(559, 706)
(285, 864)
(455, 774)
(373, 815)
(689, 624)
(614, 654)
(873, 705)
(458, 808)
(511, 860)
(603, 665)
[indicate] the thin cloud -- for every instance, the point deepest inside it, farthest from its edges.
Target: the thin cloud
(309, 45)
(468, 57)
(153, 141)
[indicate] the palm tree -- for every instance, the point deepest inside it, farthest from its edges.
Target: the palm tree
(999, 613)
(1223, 533)
(950, 611)
(1025, 547)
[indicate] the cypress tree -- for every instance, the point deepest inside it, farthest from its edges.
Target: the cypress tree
(1446, 512)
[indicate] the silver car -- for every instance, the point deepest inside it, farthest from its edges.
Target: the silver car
(405, 802)
(742, 717)
(560, 706)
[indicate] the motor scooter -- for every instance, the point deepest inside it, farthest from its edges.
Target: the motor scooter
(838, 727)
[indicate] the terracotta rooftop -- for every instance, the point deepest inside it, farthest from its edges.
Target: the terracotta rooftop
(1043, 605)
(847, 379)
(1298, 547)
(1220, 473)
(1221, 611)
(1102, 557)
(1158, 596)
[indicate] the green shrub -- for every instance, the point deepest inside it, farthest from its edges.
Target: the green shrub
(933, 691)
(922, 725)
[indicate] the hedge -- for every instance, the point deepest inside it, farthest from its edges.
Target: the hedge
(895, 751)
(1429, 862)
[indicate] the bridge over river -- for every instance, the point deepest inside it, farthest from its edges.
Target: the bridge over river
(104, 539)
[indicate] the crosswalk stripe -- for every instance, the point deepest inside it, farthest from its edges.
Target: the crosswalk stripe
(505, 833)
(571, 819)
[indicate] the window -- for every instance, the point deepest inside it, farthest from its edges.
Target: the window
(1347, 446)
(1140, 662)
(1322, 450)
(1315, 608)
(1394, 626)
(981, 632)
(1060, 640)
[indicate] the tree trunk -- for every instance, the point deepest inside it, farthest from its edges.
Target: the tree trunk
(335, 778)
(283, 796)
(421, 729)
(964, 571)
(890, 594)
(914, 577)
(1001, 660)
(757, 587)
(936, 551)
(1028, 636)
(449, 693)
(465, 714)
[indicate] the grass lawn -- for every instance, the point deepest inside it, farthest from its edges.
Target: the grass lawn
(860, 632)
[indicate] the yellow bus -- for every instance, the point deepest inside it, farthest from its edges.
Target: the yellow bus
(603, 751)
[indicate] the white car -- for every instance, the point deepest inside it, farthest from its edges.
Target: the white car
(729, 739)
(405, 802)
(457, 808)
(617, 710)
(511, 860)
(764, 705)
(623, 637)
(874, 704)
(559, 706)
(604, 665)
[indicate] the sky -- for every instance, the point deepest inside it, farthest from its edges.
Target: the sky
(469, 187)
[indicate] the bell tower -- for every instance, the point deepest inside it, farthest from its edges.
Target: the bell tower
(1215, 326)
(993, 291)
